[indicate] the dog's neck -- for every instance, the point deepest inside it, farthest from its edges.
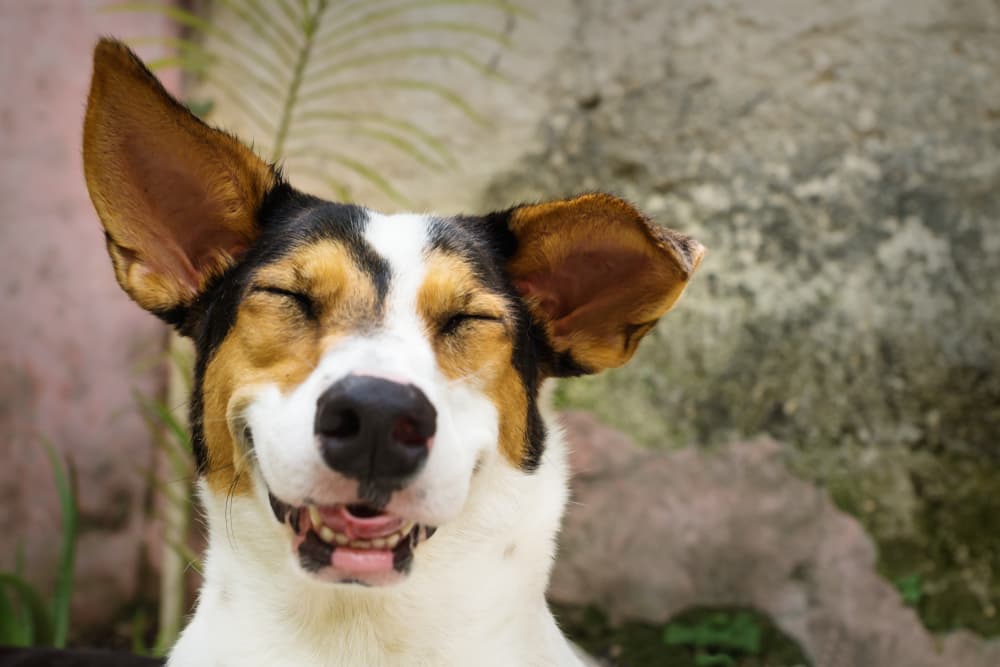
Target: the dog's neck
(481, 577)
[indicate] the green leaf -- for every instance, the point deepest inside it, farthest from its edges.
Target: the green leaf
(316, 77)
(362, 170)
(292, 96)
(67, 549)
(197, 24)
(137, 631)
(15, 628)
(206, 67)
(166, 489)
(244, 103)
(264, 28)
(374, 17)
(359, 117)
(367, 37)
(403, 145)
(33, 624)
(442, 92)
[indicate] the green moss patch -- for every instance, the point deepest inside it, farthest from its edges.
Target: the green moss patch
(699, 637)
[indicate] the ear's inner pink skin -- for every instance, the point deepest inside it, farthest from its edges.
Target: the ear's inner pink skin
(587, 286)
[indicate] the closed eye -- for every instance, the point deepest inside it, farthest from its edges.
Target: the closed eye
(453, 323)
(302, 300)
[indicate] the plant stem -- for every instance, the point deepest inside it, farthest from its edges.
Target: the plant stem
(176, 516)
(309, 26)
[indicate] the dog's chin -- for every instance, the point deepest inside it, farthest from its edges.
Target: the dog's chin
(351, 543)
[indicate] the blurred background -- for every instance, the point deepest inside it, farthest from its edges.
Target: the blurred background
(801, 465)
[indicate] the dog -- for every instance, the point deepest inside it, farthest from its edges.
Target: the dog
(381, 480)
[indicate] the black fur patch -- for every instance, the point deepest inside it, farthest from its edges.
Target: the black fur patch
(314, 553)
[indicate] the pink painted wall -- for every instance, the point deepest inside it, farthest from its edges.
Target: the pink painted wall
(73, 348)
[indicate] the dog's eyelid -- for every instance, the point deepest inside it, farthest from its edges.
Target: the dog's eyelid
(455, 320)
(304, 301)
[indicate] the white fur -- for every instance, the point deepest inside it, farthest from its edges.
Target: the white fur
(475, 595)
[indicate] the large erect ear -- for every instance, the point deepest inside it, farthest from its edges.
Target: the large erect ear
(596, 274)
(178, 199)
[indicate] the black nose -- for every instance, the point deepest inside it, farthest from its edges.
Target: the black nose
(374, 430)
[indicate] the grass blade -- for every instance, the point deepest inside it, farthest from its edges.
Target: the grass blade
(15, 627)
(67, 549)
(33, 625)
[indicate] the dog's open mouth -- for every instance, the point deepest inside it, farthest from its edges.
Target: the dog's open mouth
(357, 542)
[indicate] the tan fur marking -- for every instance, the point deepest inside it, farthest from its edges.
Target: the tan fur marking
(479, 351)
(272, 342)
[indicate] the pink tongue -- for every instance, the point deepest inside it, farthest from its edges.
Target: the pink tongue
(362, 561)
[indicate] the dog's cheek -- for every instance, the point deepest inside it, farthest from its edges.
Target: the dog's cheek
(467, 432)
(261, 350)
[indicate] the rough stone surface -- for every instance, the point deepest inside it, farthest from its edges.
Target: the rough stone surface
(651, 534)
(840, 161)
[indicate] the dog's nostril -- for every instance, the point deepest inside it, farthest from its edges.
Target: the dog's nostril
(340, 423)
(409, 432)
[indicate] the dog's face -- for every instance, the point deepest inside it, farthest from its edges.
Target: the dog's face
(355, 369)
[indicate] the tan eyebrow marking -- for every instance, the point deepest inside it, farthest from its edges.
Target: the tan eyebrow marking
(481, 353)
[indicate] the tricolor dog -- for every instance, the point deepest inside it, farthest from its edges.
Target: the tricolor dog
(381, 483)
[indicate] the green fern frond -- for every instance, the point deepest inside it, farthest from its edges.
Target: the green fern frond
(365, 38)
(361, 169)
(443, 92)
(281, 64)
(403, 145)
(198, 25)
(311, 122)
(350, 25)
(319, 75)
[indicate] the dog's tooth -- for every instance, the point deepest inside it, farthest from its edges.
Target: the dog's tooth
(341, 539)
(326, 534)
(315, 516)
(361, 544)
(393, 540)
(407, 527)
(378, 543)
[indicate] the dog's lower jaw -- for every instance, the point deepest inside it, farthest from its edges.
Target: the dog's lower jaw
(475, 594)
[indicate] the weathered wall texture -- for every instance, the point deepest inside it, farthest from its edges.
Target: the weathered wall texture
(841, 160)
(73, 347)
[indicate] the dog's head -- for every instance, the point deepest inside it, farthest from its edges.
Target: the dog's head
(355, 369)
